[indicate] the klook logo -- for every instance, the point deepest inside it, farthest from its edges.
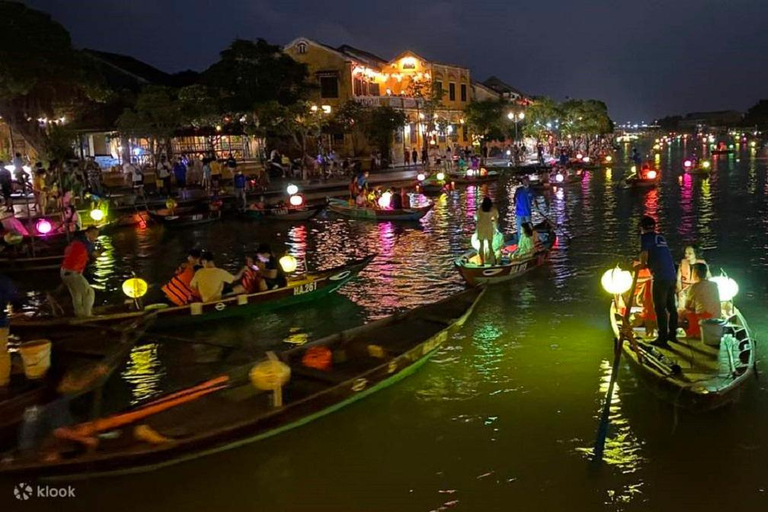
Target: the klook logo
(24, 491)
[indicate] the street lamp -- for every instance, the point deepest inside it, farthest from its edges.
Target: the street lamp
(516, 118)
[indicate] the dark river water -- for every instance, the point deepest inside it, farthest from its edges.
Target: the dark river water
(502, 416)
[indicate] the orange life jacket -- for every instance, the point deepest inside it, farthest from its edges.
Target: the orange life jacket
(250, 281)
(178, 290)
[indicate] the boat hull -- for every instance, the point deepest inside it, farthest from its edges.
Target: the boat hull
(343, 208)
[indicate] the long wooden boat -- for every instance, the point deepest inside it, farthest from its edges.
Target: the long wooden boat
(184, 216)
(692, 374)
(284, 214)
(636, 181)
(229, 412)
(21, 262)
(306, 288)
(342, 207)
(511, 266)
(463, 179)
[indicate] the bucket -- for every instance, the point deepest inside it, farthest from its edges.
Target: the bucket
(712, 331)
(5, 368)
(36, 356)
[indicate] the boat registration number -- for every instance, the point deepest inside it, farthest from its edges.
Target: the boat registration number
(197, 216)
(305, 288)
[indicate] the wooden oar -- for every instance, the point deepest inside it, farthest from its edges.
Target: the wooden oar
(602, 429)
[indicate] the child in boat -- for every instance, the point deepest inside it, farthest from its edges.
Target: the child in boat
(702, 301)
(179, 290)
(487, 217)
(250, 278)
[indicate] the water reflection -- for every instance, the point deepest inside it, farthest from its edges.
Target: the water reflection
(143, 373)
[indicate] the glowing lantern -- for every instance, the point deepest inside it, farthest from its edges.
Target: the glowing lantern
(43, 227)
(97, 215)
(470, 173)
(727, 287)
(651, 175)
(498, 241)
(135, 287)
(270, 375)
(292, 189)
(586, 159)
(687, 164)
(171, 204)
(579, 156)
(509, 152)
(296, 200)
(385, 199)
(616, 281)
(288, 263)
(706, 164)
(421, 177)
(559, 178)
(753, 144)
(609, 158)
(440, 176)
(730, 146)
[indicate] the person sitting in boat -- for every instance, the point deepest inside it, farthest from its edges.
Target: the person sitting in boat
(71, 220)
(249, 278)
(179, 290)
(644, 171)
(487, 217)
(211, 282)
(702, 300)
(267, 263)
(685, 272)
(525, 241)
(259, 205)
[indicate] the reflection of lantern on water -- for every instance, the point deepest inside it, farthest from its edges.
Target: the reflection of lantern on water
(144, 372)
(616, 281)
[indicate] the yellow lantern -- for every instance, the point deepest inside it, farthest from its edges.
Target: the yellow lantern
(135, 287)
(171, 203)
(616, 281)
(706, 164)
(440, 176)
(288, 263)
(97, 215)
(270, 375)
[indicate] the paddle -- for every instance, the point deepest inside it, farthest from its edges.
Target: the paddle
(602, 429)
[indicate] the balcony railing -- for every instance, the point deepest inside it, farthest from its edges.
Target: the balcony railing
(390, 101)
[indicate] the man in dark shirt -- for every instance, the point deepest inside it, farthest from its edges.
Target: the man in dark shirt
(655, 254)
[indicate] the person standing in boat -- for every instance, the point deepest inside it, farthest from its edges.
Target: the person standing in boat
(655, 254)
(6, 185)
(487, 217)
(240, 183)
(702, 300)
(270, 269)
(178, 289)
(523, 203)
(77, 255)
(210, 282)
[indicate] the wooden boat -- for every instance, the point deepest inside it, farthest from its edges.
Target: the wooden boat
(228, 411)
(464, 179)
(511, 266)
(184, 216)
(635, 181)
(306, 288)
(279, 214)
(431, 186)
(692, 374)
(343, 207)
(22, 262)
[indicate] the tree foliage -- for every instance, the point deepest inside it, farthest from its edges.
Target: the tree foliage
(757, 115)
(380, 125)
(542, 112)
(41, 74)
(585, 117)
(488, 118)
(157, 115)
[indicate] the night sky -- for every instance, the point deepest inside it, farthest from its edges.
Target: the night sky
(643, 58)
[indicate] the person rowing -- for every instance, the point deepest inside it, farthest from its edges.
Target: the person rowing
(179, 290)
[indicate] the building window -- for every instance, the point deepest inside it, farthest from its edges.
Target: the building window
(358, 87)
(373, 89)
(439, 89)
(329, 87)
(463, 92)
(301, 48)
(452, 91)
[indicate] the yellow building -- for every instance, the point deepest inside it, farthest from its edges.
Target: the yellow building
(432, 95)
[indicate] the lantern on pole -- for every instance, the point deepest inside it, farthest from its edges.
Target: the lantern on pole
(616, 281)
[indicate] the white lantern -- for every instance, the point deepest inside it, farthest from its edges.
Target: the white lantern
(727, 287)
(616, 281)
